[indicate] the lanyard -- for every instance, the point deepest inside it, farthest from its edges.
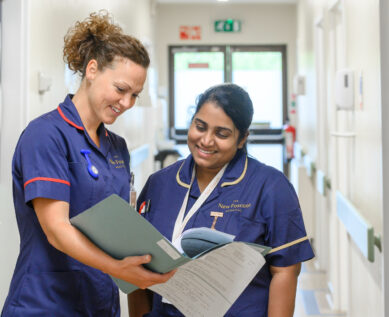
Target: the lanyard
(181, 221)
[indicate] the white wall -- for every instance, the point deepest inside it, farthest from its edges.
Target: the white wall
(32, 41)
(353, 164)
(14, 98)
(261, 24)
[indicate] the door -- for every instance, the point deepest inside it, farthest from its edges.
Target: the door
(260, 70)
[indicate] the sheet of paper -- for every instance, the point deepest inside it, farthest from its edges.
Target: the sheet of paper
(209, 285)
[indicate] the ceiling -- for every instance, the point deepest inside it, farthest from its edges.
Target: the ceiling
(229, 1)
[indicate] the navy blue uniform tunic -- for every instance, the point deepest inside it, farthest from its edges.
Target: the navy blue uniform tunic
(48, 163)
(258, 205)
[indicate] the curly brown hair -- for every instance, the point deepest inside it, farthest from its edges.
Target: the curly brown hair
(97, 37)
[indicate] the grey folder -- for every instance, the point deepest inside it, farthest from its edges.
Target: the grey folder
(116, 228)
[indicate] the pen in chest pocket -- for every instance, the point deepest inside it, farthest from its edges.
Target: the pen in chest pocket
(144, 207)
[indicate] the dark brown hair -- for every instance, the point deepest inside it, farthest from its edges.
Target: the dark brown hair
(97, 37)
(235, 102)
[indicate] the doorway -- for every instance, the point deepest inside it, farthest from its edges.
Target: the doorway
(260, 69)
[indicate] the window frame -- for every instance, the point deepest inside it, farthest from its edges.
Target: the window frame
(262, 136)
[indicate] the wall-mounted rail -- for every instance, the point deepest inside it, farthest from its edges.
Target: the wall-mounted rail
(310, 166)
(360, 230)
(322, 182)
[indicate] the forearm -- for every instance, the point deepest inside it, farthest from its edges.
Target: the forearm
(53, 217)
(282, 293)
(139, 303)
(71, 241)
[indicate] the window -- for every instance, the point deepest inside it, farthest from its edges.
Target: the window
(260, 73)
(194, 70)
(260, 70)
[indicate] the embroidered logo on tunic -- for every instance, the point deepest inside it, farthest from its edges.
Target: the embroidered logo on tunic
(235, 206)
(116, 162)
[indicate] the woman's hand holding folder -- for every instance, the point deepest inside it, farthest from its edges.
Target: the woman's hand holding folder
(131, 270)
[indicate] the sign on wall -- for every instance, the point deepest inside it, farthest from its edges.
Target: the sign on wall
(229, 25)
(190, 32)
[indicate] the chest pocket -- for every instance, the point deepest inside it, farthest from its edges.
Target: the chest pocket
(216, 219)
(233, 222)
(226, 222)
(251, 230)
(83, 187)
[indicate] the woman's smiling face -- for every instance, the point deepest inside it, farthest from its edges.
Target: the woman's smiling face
(213, 138)
(114, 89)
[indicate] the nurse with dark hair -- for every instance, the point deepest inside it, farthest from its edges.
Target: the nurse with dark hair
(65, 162)
(253, 201)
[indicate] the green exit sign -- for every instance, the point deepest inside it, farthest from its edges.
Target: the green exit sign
(229, 25)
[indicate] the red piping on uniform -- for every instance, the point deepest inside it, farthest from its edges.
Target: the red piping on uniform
(55, 180)
(68, 121)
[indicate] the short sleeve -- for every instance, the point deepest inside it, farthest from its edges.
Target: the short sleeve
(42, 163)
(285, 226)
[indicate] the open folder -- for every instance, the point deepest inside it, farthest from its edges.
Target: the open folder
(205, 285)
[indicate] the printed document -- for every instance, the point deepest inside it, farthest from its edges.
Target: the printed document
(205, 285)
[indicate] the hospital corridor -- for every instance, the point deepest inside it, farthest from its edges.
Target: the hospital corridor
(232, 121)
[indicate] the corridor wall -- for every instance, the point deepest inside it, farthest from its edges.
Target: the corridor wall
(346, 145)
